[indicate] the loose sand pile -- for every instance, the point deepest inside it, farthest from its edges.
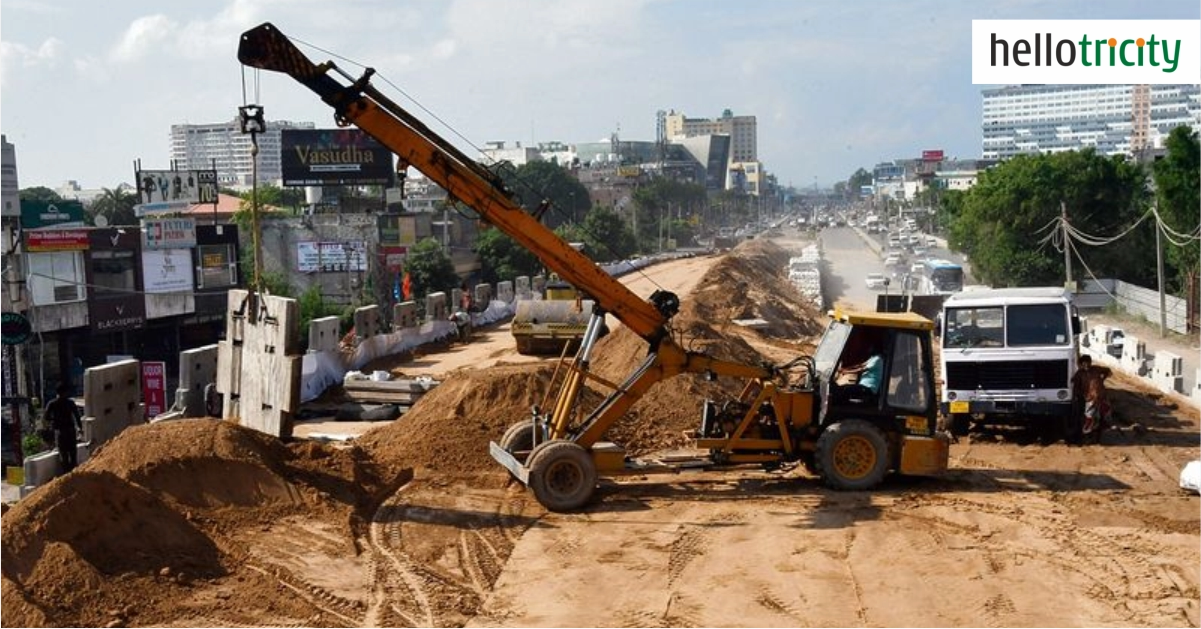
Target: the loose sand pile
(159, 510)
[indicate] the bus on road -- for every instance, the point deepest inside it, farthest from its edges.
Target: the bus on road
(940, 277)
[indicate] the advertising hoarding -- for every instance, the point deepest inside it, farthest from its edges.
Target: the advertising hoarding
(166, 191)
(168, 233)
(312, 256)
(333, 157)
(167, 270)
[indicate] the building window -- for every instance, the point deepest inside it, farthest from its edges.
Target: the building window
(56, 277)
(113, 273)
(218, 266)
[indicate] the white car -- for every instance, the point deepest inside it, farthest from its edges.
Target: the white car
(892, 260)
(876, 281)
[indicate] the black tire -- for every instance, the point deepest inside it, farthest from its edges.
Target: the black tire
(852, 455)
(524, 346)
(562, 475)
(519, 437)
(961, 424)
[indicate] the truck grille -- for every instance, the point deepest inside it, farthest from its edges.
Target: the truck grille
(1049, 374)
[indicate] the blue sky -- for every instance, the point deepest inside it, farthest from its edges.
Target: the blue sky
(88, 87)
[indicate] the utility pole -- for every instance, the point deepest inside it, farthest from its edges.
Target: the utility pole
(1067, 245)
(1163, 315)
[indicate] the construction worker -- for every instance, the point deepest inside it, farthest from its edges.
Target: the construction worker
(1092, 400)
(462, 321)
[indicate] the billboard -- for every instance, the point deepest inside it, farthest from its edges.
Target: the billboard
(932, 155)
(41, 240)
(154, 387)
(327, 257)
(167, 270)
(168, 233)
(333, 157)
(62, 213)
(166, 191)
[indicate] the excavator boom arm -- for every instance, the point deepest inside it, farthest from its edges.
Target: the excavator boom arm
(265, 47)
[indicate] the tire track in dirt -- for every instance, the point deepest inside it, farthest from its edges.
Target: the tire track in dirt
(320, 599)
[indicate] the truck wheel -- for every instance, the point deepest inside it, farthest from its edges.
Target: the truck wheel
(852, 455)
(562, 475)
(520, 437)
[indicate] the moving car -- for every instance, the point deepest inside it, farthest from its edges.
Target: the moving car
(876, 281)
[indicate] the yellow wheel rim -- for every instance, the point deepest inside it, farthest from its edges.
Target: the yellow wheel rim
(854, 457)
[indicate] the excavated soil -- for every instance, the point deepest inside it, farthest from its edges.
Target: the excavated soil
(203, 523)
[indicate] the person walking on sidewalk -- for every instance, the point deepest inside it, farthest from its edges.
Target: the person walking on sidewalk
(63, 417)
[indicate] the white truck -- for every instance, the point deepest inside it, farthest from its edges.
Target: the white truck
(1008, 355)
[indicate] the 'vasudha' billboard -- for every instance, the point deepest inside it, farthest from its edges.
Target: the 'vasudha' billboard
(333, 157)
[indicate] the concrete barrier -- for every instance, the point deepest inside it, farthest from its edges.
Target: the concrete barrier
(1168, 372)
(404, 315)
(112, 399)
(435, 307)
(1134, 356)
(523, 287)
(367, 322)
(197, 369)
(483, 294)
(504, 292)
(324, 334)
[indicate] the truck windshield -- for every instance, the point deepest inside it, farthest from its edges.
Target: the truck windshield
(975, 327)
(1038, 324)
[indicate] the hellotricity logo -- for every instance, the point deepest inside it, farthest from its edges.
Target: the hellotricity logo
(1086, 51)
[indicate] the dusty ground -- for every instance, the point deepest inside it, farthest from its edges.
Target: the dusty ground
(204, 524)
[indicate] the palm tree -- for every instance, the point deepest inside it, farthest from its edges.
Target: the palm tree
(116, 205)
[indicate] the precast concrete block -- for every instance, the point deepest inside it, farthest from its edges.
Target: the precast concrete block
(112, 396)
(324, 334)
(259, 372)
(483, 295)
(523, 287)
(504, 291)
(538, 284)
(1134, 356)
(1168, 372)
(404, 315)
(435, 306)
(367, 322)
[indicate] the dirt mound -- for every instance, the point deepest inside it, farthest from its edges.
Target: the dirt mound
(448, 430)
(748, 284)
(752, 283)
(162, 507)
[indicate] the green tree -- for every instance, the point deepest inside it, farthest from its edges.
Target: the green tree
(857, 180)
(1178, 192)
(116, 205)
(540, 183)
(606, 236)
(1012, 208)
(39, 193)
(662, 201)
(502, 258)
(430, 269)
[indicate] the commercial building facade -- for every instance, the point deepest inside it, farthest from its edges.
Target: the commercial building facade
(1113, 119)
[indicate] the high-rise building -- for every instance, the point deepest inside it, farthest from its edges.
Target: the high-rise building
(742, 130)
(1113, 119)
(223, 146)
(8, 179)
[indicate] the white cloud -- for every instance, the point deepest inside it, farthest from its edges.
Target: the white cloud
(143, 38)
(13, 56)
